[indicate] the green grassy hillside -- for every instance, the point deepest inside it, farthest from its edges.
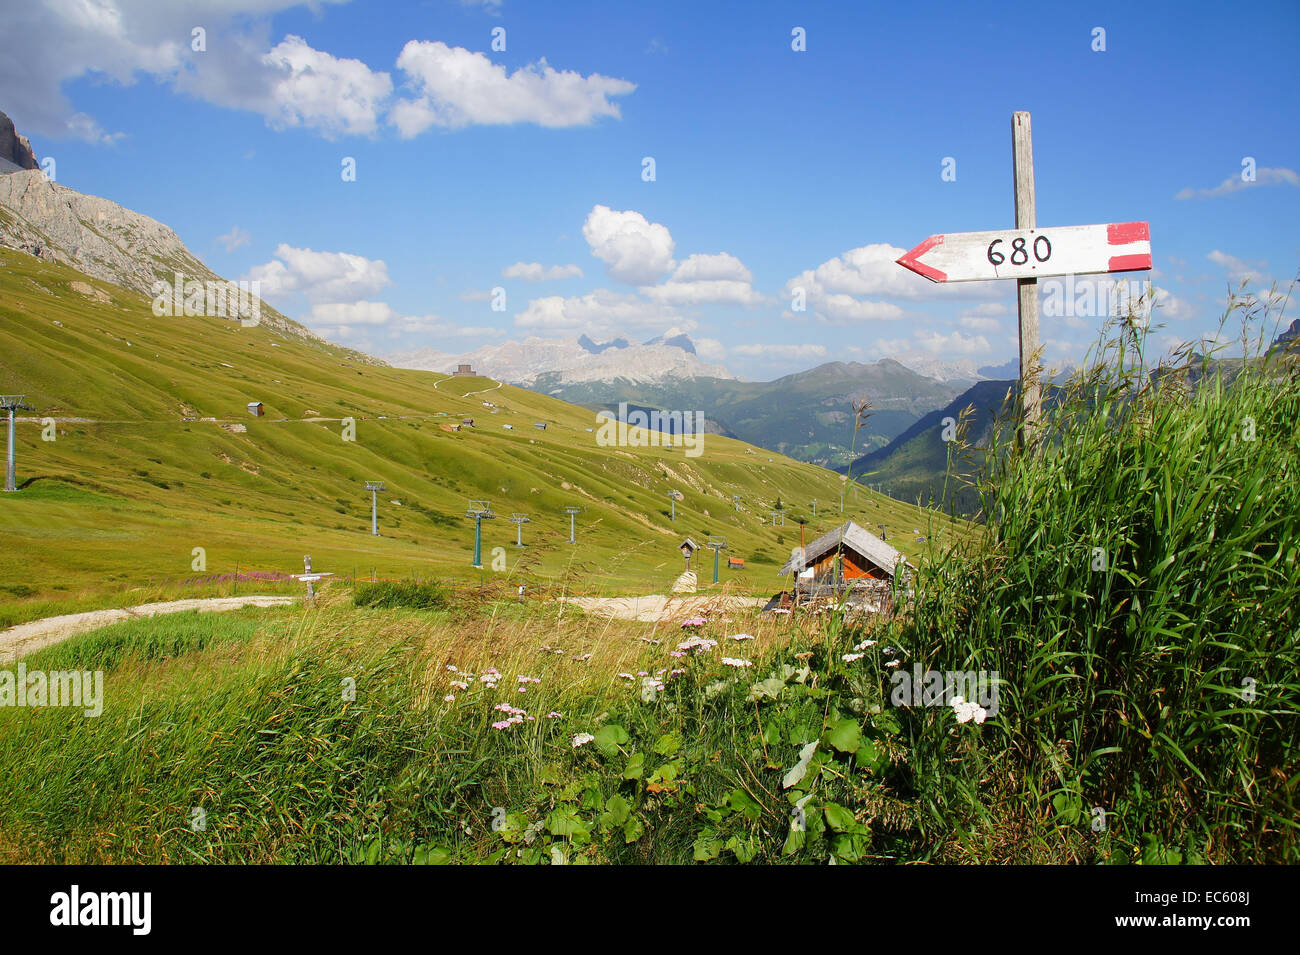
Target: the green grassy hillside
(135, 478)
(912, 467)
(808, 415)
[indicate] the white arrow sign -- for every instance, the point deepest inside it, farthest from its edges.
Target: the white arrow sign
(1032, 253)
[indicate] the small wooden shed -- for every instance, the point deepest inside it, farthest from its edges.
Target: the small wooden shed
(255, 409)
(846, 558)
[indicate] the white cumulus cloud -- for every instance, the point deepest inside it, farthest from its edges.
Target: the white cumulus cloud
(633, 249)
(602, 314)
(321, 277)
(455, 87)
(707, 279)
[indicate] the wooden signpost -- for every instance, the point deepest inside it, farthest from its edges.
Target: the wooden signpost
(1026, 253)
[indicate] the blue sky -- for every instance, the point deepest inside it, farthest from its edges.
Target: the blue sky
(775, 169)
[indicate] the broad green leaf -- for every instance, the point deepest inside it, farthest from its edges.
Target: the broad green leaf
(793, 842)
(668, 744)
(609, 738)
(616, 811)
(839, 818)
(635, 768)
(742, 849)
(633, 830)
(707, 846)
(849, 847)
(870, 756)
(565, 821)
(741, 802)
(845, 735)
(431, 855)
(768, 689)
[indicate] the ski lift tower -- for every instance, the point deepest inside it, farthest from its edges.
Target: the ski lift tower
(572, 512)
(374, 487)
(480, 511)
(735, 501)
(718, 544)
(519, 520)
(672, 496)
(12, 403)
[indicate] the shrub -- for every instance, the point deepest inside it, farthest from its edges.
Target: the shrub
(391, 594)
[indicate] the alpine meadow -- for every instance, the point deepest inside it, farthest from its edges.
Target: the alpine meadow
(480, 433)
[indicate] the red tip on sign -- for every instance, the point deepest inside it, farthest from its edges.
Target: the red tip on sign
(910, 260)
(1122, 233)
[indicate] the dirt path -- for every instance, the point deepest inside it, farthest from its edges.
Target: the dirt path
(657, 607)
(26, 637)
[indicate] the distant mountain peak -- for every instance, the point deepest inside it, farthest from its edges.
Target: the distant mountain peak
(680, 340)
(596, 348)
(550, 362)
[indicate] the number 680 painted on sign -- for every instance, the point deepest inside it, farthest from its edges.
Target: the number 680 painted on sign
(1019, 254)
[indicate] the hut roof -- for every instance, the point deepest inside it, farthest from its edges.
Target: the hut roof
(854, 538)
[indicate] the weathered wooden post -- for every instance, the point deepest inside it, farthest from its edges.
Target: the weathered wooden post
(1031, 398)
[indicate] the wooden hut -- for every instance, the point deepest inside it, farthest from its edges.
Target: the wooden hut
(847, 560)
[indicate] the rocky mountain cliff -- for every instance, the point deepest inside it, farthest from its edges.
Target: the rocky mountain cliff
(15, 151)
(103, 239)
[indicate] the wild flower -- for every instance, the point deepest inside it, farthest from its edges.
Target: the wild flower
(742, 636)
(967, 711)
(864, 644)
(449, 698)
(582, 739)
(507, 708)
(782, 610)
(736, 662)
(649, 640)
(693, 622)
(626, 676)
(851, 657)
(698, 644)
(459, 685)
(553, 715)
(450, 668)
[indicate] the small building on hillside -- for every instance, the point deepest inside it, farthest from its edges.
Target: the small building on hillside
(256, 409)
(848, 560)
(464, 371)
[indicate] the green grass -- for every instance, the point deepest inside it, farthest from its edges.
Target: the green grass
(1136, 593)
(124, 498)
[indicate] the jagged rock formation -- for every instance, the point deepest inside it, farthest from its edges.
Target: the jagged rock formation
(545, 363)
(108, 241)
(15, 151)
